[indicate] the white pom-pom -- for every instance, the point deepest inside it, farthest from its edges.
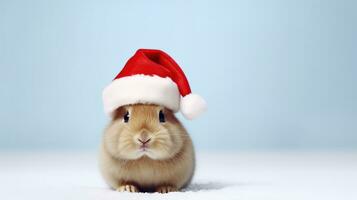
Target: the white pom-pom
(192, 105)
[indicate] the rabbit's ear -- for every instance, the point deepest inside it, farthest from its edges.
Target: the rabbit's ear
(169, 115)
(120, 112)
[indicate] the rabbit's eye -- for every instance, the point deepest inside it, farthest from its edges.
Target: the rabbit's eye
(161, 116)
(126, 117)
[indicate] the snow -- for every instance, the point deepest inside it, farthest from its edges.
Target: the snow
(225, 175)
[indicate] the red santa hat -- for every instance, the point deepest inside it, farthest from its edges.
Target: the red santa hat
(152, 76)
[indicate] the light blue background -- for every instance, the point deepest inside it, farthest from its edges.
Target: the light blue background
(276, 74)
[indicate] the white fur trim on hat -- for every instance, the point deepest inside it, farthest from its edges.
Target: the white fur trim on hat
(192, 105)
(141, 89)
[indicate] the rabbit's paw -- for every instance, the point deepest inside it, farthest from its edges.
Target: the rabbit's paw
(127, 188)
(166, 189)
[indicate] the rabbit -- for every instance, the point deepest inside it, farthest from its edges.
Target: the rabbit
(145, 148)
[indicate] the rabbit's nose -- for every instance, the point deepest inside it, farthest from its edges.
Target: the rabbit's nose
(144, 138)
(144, 141)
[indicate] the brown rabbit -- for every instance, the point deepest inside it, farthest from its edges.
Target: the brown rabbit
(146, 149)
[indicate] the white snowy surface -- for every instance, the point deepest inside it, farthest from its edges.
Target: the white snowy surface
(245, 176)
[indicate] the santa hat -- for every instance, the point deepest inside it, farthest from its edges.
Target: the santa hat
(152, 76)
